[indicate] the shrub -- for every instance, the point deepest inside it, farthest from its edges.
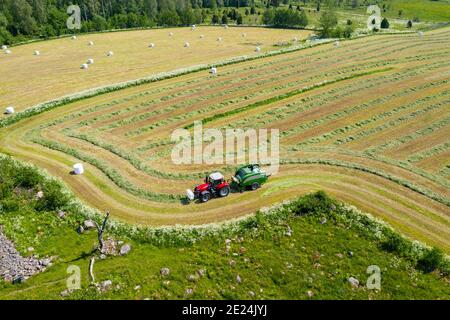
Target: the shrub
(318, 202)
(385, 24)
(54, 197)
(433, 259)
(395, 243)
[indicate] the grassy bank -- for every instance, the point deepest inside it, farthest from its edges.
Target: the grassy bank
(305, 249)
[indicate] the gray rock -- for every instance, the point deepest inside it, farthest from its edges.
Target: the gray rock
(164, 272)
(238, 279)
(61, 214)
(251, 294)
(106, 285)
(89, 224)
(354, 282)
(125, 249)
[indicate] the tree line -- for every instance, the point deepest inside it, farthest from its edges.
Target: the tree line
(24, 19)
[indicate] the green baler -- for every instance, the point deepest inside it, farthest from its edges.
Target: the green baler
(249, 177)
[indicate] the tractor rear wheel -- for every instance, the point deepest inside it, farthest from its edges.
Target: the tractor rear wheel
(255, 186)
(224, 192)
(205, 197)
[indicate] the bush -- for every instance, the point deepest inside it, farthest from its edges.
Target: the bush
(54, 198)
(433, 259)
(395, 243)
(385, 24)
(315, 203)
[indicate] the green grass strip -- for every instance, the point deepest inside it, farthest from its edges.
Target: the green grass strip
(286, 96)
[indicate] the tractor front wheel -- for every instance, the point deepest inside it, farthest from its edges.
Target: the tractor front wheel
(205, 197)
(224, 192)
(255, 186)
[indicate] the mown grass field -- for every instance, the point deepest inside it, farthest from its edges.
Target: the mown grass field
(56, 72)
(368, 122)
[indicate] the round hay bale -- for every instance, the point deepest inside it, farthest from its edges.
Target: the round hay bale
(337, 44)
(90, 43)
(219, 39)
(420, 33)
(295, 39)
(90, 61)
(151, 45)
(84, 66)
(187, 45)
(37, 53)
(258, 49)
(74, 37)
(78, 169)
(4, 47)
(213, 70)
(110, 54)
(244, 35)
(193, 27)
(9, 110)
(225, 26)
(7, 51)
(202, 36)
(170, 34)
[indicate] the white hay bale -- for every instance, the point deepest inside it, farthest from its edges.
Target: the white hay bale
(193, 27)
(151, 45)
(187, 45)
(90, 43)
(84, 66)
(337, 44)
(295, 39)
(90, 61)
(213, 70)
(202, 36)
(37, 53)
(219, 39)
(78, 169)
(7, 51)
(4, 47)
(110, 54)
(9, 110)
(74, 37)
(244, 35)
(225, 26)
(170, 34)
(420, 33)
(258, 49)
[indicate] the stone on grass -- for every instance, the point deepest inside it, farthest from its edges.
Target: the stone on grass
(354, 282)
(164, 271)
(125, 249)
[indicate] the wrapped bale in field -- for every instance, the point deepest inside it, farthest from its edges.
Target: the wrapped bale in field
(258, 49)
(9, 110)
(84, 66)
(110, 54)
(90, 43)
(187, 45)
(37, 53)
(4, 47)
(78, 169)
(90, 61)
(213, 70)
(151, 45)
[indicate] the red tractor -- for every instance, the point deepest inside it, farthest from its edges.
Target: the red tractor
(214, 186)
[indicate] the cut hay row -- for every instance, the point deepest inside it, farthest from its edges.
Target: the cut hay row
(392, 123)
(436, 150)
(182, 91)
(359, 107)
(440, 124)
